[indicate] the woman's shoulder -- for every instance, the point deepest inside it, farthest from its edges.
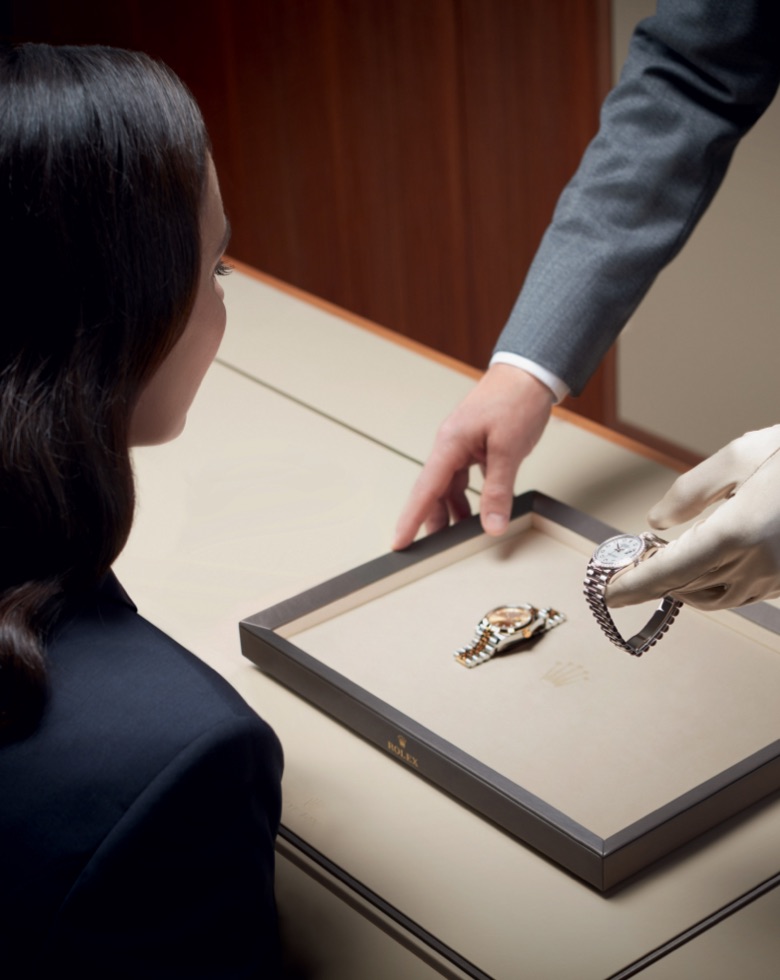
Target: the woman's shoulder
(144, 754)
(111, 659)
(125, 699)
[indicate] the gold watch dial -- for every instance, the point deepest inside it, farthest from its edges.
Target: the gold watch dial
(511, 617)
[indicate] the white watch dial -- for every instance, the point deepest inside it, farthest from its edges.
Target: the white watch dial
(619, 551)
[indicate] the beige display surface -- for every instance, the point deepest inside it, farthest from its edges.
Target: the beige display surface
(398, 398)
(330, 933)
(747, 944)
(607, 740)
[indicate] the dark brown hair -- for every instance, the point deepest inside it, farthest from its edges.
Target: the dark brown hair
(102, 169)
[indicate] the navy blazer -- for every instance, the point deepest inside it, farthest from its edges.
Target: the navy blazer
(698, 76)
(137, 823)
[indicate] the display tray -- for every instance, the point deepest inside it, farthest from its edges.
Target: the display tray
(601, 761)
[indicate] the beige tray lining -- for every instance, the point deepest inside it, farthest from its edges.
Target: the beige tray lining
(602, 736)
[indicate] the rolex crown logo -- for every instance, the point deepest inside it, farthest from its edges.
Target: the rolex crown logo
(562, 674)
(398, 748)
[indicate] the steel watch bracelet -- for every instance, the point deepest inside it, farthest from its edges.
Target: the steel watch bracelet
(596, 581)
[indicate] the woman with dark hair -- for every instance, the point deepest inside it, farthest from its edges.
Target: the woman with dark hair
(139, 795)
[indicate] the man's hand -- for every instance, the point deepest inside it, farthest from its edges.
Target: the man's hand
(496, 426)
(730, 558)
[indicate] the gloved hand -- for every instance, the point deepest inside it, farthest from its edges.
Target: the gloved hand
(730, 558)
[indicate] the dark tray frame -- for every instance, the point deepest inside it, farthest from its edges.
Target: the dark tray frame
(601, 862)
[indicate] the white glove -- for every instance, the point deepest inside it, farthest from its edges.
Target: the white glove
(730, 558)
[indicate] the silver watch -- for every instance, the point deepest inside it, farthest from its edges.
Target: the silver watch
(613, 557)
(503, 627)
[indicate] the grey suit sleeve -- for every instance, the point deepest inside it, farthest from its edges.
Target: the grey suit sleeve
(698, 75)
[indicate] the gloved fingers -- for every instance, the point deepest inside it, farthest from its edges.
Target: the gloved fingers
(707, 567)
(704, 558)
(716, 478)
(681, 564)
(718, 588)
(733, 556)
(687, 497)
(748, 578)
(725, 595)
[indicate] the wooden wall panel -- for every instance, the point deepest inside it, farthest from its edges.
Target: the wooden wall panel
(354, 124)
(398, 157)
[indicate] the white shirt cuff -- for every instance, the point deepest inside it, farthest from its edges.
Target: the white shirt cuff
(558, 387)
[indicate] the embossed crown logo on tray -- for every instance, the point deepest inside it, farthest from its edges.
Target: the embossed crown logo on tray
(562, 674)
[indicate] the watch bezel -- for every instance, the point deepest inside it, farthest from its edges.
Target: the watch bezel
(627, 560)
(520, 622)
